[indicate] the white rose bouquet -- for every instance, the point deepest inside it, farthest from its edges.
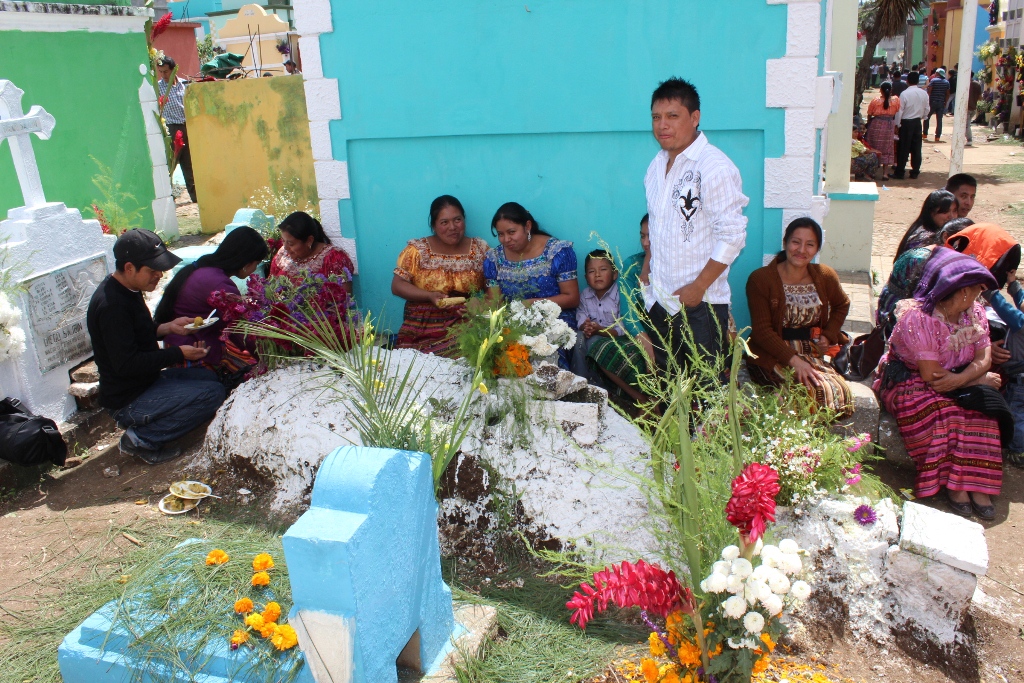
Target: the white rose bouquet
(545, 331)
(12, 336)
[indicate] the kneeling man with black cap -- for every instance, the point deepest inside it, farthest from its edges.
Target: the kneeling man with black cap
(153, 404)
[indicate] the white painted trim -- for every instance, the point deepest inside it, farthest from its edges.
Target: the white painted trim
(164, 215)
(39, 22)
(793, 84)
(222, 42)
(323, 105)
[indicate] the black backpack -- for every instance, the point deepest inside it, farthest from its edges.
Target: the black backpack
(27, 439)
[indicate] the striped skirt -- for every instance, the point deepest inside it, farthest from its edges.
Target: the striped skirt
(621, 357)
(833, 393)
(425, 328)
(880, 137)
(951, 446)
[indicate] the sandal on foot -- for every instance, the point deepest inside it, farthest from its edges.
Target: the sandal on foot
(1016, 459)
(986, 512)
(965, 509)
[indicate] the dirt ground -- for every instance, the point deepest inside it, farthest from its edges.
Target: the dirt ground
(46, 527)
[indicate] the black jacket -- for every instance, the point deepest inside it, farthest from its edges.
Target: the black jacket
(124, 343)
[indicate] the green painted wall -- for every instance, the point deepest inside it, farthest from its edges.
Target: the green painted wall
(90, 83)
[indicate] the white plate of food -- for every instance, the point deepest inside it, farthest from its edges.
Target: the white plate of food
(173, 505)
(201, 324)
(192, 490)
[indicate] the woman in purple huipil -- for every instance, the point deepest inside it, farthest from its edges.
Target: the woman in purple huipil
(241, 252)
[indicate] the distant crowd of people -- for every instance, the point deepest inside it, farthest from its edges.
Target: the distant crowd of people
(898, 120)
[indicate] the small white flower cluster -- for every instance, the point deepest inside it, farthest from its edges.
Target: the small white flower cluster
(546, 331)
(12, 337)
(789, 455)
(765, 585)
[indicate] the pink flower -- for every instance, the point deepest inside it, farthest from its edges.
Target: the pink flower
(853, 474)
(752, 504)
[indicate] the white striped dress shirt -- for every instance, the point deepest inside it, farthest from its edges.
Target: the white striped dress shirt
(696, 215)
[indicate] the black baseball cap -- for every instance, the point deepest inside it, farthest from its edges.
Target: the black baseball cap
(143, 248)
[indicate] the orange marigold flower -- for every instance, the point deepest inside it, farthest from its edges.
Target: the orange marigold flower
(761, 665)
(284, 637)
(514, 361)
(650, 670)
(271, 612)
(261, 579)
(238, 638)
(217, 556)
(254, 621)
(689, 654)
(243, 606)
(657, 647)
(262, 562)
(670, 677)
(268, 629)
(717, 651)
(767, 640)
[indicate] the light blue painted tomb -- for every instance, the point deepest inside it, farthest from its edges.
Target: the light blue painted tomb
(365, 571)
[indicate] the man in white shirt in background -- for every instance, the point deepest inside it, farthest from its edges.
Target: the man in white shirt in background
(697, 228)
(914, 107)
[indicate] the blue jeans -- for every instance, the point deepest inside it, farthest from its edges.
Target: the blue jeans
(178, 402)
(1015, 399)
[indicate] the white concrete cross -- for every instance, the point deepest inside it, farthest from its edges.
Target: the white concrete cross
(17, 127)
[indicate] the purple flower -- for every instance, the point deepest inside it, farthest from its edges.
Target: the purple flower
(865, 515)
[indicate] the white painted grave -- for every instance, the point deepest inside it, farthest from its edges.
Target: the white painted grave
(61, 258)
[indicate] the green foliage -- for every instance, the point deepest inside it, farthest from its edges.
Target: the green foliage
(205, 47)
(384, 402)
(117, 210)
(282, 197)
(471, 335)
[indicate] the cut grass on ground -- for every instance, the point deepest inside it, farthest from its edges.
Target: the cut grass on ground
(536, 643)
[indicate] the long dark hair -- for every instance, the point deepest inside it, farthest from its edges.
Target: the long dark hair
(886, 89)
(515, 213)
(240, 247)
(441, 203)
(939, 200)
(302, 226)
(804, 222)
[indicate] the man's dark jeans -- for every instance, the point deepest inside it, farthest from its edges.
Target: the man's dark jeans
(178, 402)
(184, 158)
(910, 146)
(938, 111)
(709, 324)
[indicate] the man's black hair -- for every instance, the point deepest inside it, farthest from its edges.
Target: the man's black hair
(167, 61)
(645, 219)
(913, 78)
(677, 89)
(958, 180)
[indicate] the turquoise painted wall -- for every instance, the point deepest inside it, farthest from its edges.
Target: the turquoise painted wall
(547, 104)
(90, 83)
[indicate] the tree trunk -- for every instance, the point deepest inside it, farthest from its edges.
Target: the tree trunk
(863, 78)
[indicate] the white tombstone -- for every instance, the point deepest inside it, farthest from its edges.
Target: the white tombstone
(62, 258)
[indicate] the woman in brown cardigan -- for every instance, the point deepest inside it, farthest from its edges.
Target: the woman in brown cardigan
(798, 309)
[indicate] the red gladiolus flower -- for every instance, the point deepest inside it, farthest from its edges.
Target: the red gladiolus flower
(179, 142)
(162, 100)
(642, 585)
(160, 26)
(104, 226)
(752, 504)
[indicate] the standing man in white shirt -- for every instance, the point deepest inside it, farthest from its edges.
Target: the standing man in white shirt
(697, 228)
(914, 107)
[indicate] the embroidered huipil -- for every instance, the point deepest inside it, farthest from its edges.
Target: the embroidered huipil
(696, 215)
